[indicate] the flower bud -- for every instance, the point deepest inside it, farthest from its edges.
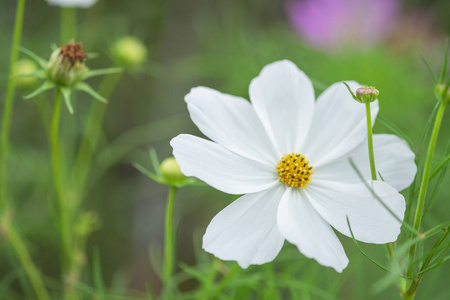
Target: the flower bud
(171, 170)
(129, 52)
(24, 67)
(66, 66)
(367, 94)
(441, 94)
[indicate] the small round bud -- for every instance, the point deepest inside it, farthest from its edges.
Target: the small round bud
(367, 94)
(129, 52)
(171, 170)
(65, 66)
(444, 96)
(24, 67)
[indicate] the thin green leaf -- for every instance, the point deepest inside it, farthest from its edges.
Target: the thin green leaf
(350, 91)
(98, 279)
(442, 163)
(65, 91)
(47, 85)
(444, 66)
(82, 86)
(394, 128)
(364, 252)
(319, 85)
(100, 72)
(434, 266)
(38, 74)
(428, 66)
(404, 224)
(41, 62)
(426, 133)
(440, 180)
(146, 172)
(154, 160)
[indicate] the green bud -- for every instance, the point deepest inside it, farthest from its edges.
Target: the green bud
(24, 67)
(170, 170)
(87, 223)
(441, 94)
(65, 66)
(366, 94)
(129, 52)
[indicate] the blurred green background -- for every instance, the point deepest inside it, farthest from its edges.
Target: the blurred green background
(222, 45)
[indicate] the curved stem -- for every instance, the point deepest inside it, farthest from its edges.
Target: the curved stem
(18, 245)
(9, 103)
(424, 183)
(169, 240)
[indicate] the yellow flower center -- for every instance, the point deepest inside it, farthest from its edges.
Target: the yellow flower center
(294, 170)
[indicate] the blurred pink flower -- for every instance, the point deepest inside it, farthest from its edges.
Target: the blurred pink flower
(331, 23)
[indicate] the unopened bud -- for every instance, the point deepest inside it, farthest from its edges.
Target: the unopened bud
(24, 67)
(441, 94)
(129, 52)
(171, 170)
(367, 94)
(66, 66)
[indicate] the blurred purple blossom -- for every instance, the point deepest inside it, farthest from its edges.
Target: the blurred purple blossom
(331, 23)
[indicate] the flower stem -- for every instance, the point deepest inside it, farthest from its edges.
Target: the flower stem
(91, 136)
(8, 106)
(169, 240)
(68, 24)
(424, 184)
(409, 295)
(18, 245)
(373, 171)
(64, 221)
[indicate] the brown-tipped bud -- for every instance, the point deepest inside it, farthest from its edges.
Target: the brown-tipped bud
(367, 94)
(66, 66)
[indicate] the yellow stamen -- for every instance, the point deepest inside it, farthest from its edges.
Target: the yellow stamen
(294, 170)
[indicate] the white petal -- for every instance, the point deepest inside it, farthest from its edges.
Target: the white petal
(231, 122)
(394, 160)
(370, 221)
(338, 126)
(283, 98)
(221, 168)
(72, 3)
(246, 230)
(301, 225)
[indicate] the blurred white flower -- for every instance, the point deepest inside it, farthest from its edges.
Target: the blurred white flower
(290, 156)
(72, 3)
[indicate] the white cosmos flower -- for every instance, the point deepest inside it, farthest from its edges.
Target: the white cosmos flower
(247, 155)
(72, 3)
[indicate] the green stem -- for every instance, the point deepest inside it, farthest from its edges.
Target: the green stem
(424, 184)
(64, 221)
(68, 24)
(21, 251)
(373, 171)
(8, 107)
(169, 240)
(83, 162)
(410, 294)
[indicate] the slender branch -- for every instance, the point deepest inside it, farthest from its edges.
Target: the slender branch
(8, 107)
(424, 184)
(169, 241)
